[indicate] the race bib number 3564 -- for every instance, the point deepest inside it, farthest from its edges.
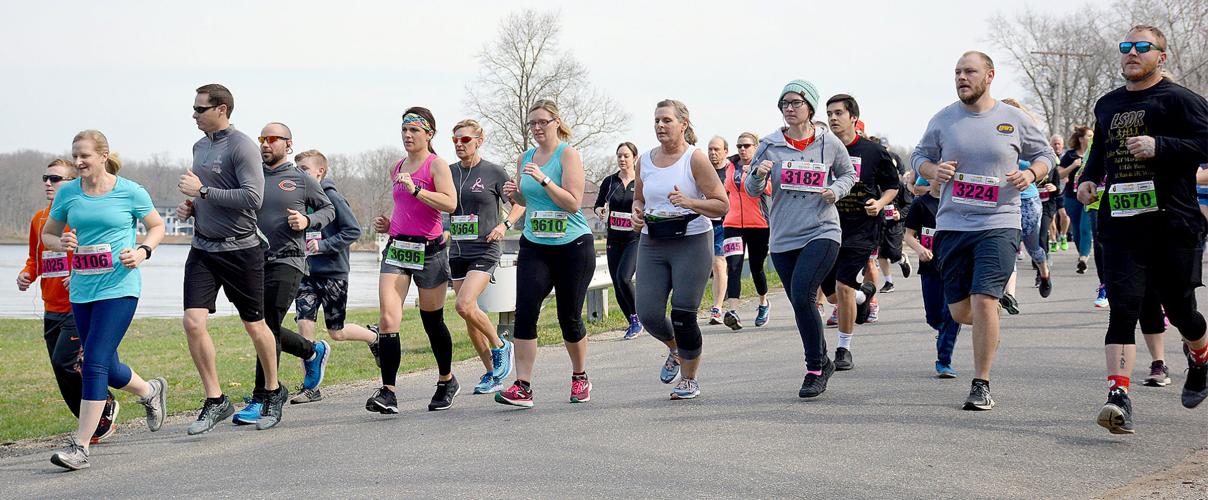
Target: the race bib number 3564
(464, 227)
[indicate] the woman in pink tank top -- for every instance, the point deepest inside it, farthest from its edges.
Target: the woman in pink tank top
(422, 189)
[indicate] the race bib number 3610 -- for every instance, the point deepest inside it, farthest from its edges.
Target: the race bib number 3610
(548, 223)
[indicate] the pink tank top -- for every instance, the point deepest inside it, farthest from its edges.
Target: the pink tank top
(412, 217)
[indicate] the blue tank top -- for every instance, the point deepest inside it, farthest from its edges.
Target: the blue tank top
(545, 222)
(1031, 191)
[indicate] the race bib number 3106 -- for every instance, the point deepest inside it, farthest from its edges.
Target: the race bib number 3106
(92, 259)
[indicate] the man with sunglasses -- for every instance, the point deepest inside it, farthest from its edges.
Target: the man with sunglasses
(1150, 137)
(225, 187)
(59, 329)
(973, 148)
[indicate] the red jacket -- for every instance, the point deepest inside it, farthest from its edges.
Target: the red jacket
(745, 211)
(54, 293)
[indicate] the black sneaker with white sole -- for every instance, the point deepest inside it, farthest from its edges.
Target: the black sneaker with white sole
(905, 265)
(731, 320)
(979, 397)
(1116, 415)
(373, 346)
(862, 309)
(814, 385)
(382, 401)
(1195, 389)
(843, 359)
(445, 392)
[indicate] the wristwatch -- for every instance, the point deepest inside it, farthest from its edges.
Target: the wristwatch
(545, 181)
(507, 223)
(148, 249)
(415, 192)
(205, 190)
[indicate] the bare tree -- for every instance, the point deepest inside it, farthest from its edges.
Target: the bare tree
(524, 64)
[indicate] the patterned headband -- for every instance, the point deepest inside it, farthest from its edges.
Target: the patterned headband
(417, 119)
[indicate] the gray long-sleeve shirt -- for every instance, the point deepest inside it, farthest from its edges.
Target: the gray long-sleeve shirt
(797, 218)
(286, 188)
(983, 144)
(228, 164)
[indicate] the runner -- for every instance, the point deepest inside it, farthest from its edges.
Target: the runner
(971, 147)
(556, 251)
(676, 191)
(614, 204)
(920, 233)
(327, 258)
(890, 249)
(718, 149)
(1030, 215)
(59, 328)
(225, 187)
(103, 210)
(745, 229)
(422, 189)
(809, 171)
(861, 219)
(1079, 224)
(475, 231)
(1050, 203)
(1150, 137)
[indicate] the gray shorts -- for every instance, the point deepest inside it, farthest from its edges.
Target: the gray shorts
(435, 273)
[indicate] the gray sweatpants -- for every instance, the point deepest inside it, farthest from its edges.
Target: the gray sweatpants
(677, 268)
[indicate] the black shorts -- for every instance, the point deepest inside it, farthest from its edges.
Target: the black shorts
(847, 269)
(891, 240)
(976, 262)
(330, 293)
(459, 267)
(240, 273)
(435, 273)
(1129, 267)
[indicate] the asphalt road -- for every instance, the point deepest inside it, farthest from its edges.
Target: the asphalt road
(886, 429)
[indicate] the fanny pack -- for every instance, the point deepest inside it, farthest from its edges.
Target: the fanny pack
(661, 228)
(431, 246)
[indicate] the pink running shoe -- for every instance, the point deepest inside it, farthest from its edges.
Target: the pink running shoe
(580, 389)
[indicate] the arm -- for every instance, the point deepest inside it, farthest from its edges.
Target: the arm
(52, 232)
(322, 210)
(132, 257)
(31, 269)
(639, 199)
(1035, 148)
(1094, 166)
(569, 195)
(715, 202)
(925, 160)
(346, 221)
(1065, 171)
(887, 180)
(1192, 148)
(845, 173)
(248, 170)
(1201, 176)
(444, 198)
(755, 183)
(602, 195)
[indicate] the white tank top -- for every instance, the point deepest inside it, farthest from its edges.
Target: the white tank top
(657, 182)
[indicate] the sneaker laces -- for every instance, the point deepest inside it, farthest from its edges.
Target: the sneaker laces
(671, 363)
(578, 385)
(497, 356)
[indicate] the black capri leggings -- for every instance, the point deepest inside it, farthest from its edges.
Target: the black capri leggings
(622, 262)
(1144, 272)
(755, 241)
(564, 269)
(802, 271)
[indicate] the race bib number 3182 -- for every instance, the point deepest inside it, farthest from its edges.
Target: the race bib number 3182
(804, 176)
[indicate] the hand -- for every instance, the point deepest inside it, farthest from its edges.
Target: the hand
(23, 281)
(944, 171)
(1020, 179)
(67, 282)
(131, 258)
(1142, 146)
(764, 168)
(828, 196)
(601, 212)
(678, 199)
(1050, 188)
(189, 184)
(405, 179)
(297, 220)
(381, 224)
(534, 171)
(312, 246)
(926, 255)
(509, 190)
(68, 241)
(444, 237)
(639, 219)
(1087, 193)
(184, 210)
(497, 233)
(873, 207)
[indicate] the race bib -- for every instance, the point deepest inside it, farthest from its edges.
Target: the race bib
(855, 163)
(92, 259)
(1131, 198)
(927, 237)
(464, 227)
(315, 236)
(405, 254)
(890, 211)
(1044, 195)
(804, 176)
(620, 221)
(731, 246)
(976, 190)
(54, 264)
(548, 223)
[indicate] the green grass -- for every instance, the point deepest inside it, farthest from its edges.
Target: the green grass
(30, 405)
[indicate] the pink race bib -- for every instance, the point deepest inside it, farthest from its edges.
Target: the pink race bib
(927, 237)
(976, 190)
(92, 259)
(803, 176)
(55, 265)
(620, 221)
(731, 246)
(855, 163)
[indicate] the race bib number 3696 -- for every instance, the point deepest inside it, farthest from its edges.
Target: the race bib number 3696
(405, 254)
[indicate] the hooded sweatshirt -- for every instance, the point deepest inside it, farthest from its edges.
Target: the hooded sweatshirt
(332, 259)
(286, 187)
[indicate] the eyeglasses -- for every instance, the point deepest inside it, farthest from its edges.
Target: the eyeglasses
(1142, 47)
(465, 139)
(538, 123)
(744, 146)
(202, 109)
(793, 104)
(271, 139)
(55, 178)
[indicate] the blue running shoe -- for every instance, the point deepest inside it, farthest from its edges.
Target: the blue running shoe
(501, 361)
(635, 327)
(761, 314)
(671, 368)
(250, 412)
(316, 366)
(944, 371)
(488, 384)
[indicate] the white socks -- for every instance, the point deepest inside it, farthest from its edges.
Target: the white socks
(860, 298)
(845, 340)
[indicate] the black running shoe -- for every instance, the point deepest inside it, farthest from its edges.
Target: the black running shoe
(905, 265)
(1046, 286)
(445, 392)
(843, 361)
(1008, 302)
(271, 412)
(1116, 415)
(979, 397)
(813, 385)
(211, 413)
(108, 423)
(1195, 389)
(1081, 269)
(383, 402)
(731, 320)
(869, 290)
(373, 346)
(888, 288)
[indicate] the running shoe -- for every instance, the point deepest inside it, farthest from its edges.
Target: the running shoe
(843, 360)
(714, 316)
(1046, 286)
(211, 414)
(731, 320)
(671, 368)
(516, 395)
(761, 314)
(445, 392)
(1036, 284)
(316, 366)
(1116, 415)
(869, 290)
(979, 397)
(687, 388)
(382, 401)
(502, 360)
(1008, 302)
(488, 384)
(373, 346)
(874, 311)
(906, 267)
(1195, 389)
(72, 457)
(833, 320)
(107, 425)
(1065, 243)
(635, 327)
(814, 385)
(1081, 267)
(305, 395)
(580, 389)
(273, 410)
(1159, 375)
(944, 371)
(1052, 247)
(251, 411)
(156, 403)
(888, 287)
(1101, 299)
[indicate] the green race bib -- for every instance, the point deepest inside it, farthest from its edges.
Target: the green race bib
(405, 254)
(548, 224)
(464, 227)
(1132, 198)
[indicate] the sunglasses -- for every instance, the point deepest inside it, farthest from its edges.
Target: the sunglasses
(465, 139)
(1142, 47)
(538, 123)
(55, 178)
(202, 109)
(793, 104)
(271, 139)
(744, 146)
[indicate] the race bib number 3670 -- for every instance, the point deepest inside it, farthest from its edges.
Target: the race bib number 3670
(976, 190)
(1132, 198)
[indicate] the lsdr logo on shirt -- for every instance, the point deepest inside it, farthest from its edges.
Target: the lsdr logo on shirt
(1005, 128)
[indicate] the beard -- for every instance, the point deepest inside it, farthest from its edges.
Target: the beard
(1145, 73)
(977, 93)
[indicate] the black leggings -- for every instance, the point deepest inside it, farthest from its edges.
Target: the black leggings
(1048, 210)
(280, 289)
(622, 262)
(801, 271)
(1097, 246)
(564, 269)
(755, 241)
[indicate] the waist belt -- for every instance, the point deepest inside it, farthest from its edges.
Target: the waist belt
(431, 246)
(228, 239)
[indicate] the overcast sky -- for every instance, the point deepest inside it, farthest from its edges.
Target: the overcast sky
(340, 73)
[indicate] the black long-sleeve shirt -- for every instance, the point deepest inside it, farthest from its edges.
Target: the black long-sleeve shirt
(619, 198)
(286, 188)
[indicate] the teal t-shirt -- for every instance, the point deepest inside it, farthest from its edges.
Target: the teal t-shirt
(545, 222)
(109, 219)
